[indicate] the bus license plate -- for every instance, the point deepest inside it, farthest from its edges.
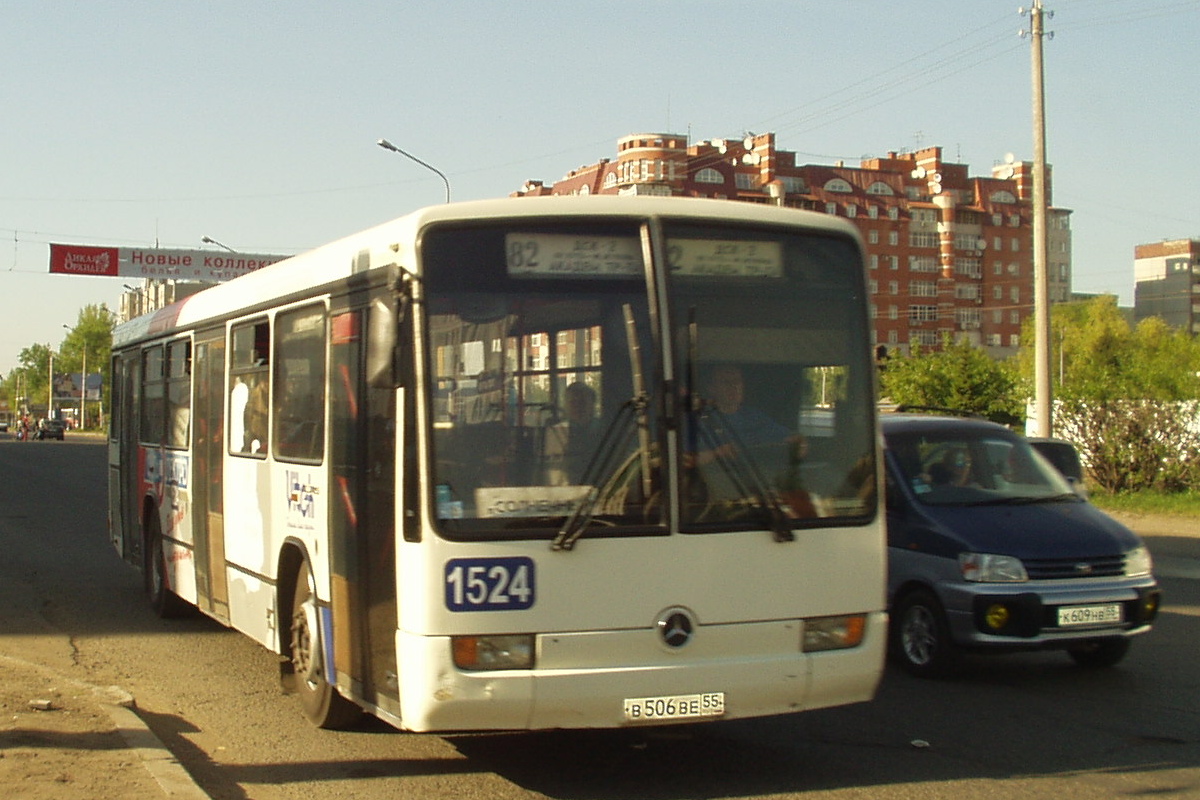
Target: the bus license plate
(681, 706)
(1107, 614)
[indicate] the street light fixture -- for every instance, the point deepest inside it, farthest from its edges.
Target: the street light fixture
(386, 145)
(210, 240)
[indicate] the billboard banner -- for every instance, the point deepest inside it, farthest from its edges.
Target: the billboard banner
(67, 386)
(154, 262)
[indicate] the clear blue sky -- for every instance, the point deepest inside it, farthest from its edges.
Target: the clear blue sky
(142, 121)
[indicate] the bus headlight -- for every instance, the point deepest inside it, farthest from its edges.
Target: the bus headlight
(511, 651)
(833, 633)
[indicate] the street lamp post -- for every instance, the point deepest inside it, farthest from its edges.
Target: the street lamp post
(50, 387)
(83, 392)
(83, 383)
(386, 145)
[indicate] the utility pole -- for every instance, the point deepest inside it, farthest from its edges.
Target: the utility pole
(1042, 390)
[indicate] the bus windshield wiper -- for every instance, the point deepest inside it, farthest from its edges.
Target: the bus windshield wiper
(743, 473)
(600, 467)
(631, 417)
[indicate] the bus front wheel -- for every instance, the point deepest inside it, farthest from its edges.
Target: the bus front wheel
(322, 704)
(165, 603)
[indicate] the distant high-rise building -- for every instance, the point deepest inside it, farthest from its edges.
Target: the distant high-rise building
(1166, 282)
(947, 253)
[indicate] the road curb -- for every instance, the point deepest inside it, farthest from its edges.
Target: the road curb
(120, 705)
(158, 760)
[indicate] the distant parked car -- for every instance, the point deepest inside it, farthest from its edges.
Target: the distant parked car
(50, 429)
(1065, 458)
(3, 426)
(990, 550)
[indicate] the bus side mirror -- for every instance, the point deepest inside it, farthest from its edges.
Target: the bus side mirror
(387, 356)
(382, 326)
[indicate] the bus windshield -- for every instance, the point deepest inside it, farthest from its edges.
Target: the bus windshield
(775, 377)
(549, 380)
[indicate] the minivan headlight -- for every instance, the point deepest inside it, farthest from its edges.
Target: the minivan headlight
(991, 568)
(1138, 561)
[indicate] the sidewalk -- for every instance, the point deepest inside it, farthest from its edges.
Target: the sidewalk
(62, 740)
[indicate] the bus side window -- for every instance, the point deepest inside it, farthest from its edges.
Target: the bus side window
(299, 381)
(249, 392)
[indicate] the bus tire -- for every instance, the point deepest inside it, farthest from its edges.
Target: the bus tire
(321, 702)
(165, 603)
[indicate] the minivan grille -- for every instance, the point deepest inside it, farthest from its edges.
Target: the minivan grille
(1051, 569)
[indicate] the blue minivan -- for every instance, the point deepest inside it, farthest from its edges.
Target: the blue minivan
(991, 549)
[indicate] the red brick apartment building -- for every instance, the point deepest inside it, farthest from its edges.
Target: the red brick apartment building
(948, 253)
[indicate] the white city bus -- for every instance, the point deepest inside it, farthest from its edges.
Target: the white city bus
(465, 470)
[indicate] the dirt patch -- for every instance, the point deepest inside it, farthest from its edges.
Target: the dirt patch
(58, 742)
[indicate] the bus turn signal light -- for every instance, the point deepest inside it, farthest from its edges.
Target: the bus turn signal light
(493, 652)
(834, 633)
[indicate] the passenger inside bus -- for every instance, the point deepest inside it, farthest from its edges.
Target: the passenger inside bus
(733, 445)
(736, 423)
(570, 444)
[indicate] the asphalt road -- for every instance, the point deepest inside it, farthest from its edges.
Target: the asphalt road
(1026, 726)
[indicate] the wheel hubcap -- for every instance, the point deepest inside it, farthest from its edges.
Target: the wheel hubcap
(919, 635)
(305, 660)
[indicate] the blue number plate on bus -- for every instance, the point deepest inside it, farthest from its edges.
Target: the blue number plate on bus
(490, 584)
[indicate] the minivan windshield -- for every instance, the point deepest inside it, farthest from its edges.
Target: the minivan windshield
(959, 466)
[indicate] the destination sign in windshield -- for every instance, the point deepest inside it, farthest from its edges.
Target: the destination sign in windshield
(714, 258)
(552, 255)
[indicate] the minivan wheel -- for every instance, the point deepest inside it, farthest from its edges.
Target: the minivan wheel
(1099, 653)
(921, 637)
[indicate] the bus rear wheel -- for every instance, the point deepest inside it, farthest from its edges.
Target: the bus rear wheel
(321, 702)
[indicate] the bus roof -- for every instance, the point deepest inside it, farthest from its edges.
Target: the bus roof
(392, 243)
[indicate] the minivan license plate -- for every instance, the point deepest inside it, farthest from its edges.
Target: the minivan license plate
(1107, 614)
(682, 706)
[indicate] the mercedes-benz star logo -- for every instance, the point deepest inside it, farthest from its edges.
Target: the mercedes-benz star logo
(675, 626)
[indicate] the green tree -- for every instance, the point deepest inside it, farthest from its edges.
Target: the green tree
(34, 372)
(89, 342)
(92, 334)
(1125, 395)
(959, 376)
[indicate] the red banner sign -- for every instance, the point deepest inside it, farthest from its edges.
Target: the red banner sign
(144, 262)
